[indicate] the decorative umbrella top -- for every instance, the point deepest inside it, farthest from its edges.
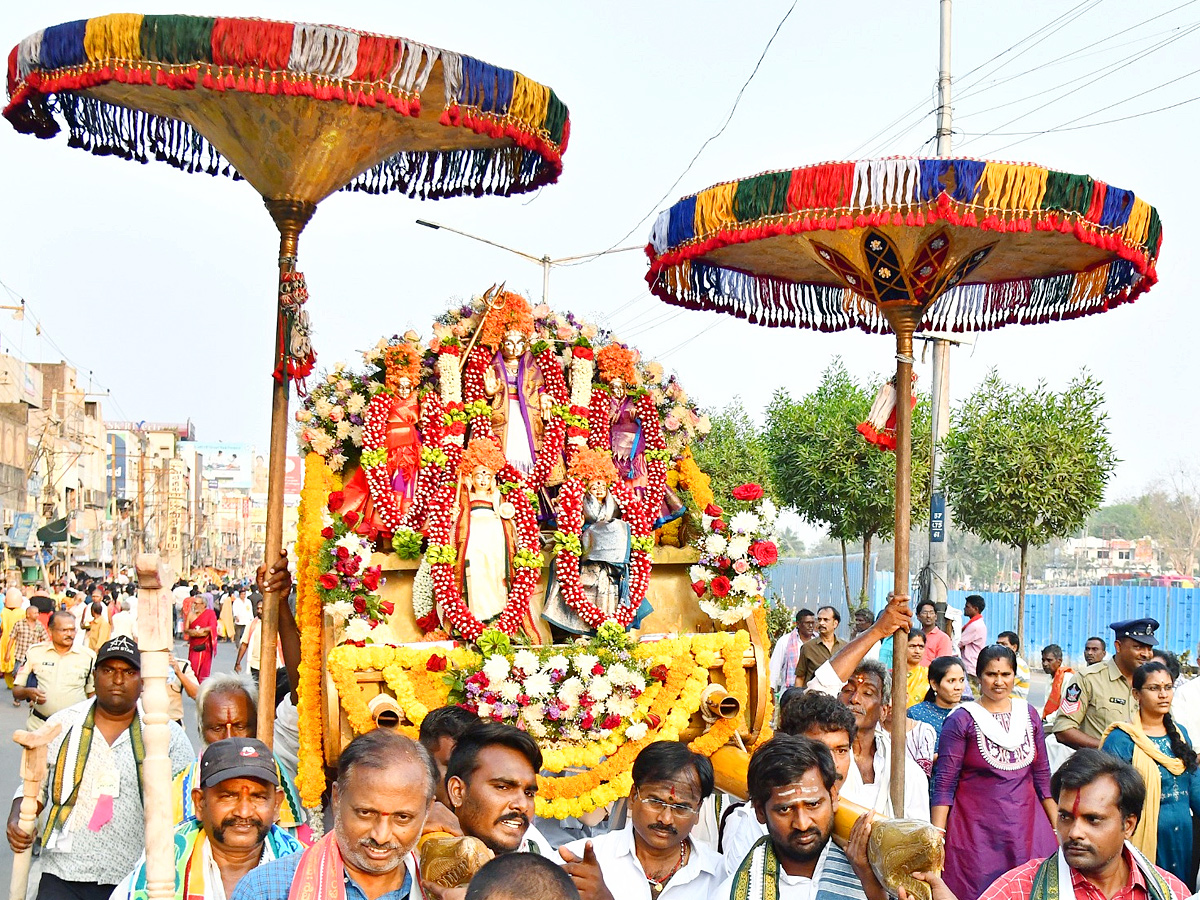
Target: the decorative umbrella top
(974, 244)
(427, 121)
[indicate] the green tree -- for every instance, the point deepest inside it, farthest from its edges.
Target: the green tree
(732, 453)
(827, 472)
(1025, 466)
(1119, 520)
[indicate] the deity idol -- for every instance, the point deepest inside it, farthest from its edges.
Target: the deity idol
(402, 441)
(515, 387)
(615, 364)
(484, 532)
(605, 542)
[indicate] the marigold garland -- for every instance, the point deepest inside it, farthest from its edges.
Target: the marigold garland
(319, 480)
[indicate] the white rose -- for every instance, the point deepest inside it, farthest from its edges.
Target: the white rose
(715, 545)
(496, 668)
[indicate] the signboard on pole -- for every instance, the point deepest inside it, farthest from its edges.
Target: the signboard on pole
(937, 517)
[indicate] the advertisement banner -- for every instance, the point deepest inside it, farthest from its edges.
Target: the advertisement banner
(229, 465)
(293, 475)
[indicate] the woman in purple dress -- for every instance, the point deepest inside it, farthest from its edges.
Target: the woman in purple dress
(991, 777)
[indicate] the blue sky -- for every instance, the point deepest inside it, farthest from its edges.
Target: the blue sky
(162, 284)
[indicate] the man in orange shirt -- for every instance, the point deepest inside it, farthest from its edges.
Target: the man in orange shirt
(937, 642)
(1052, 665)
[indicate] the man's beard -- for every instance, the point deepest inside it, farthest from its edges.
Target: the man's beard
(787, 850)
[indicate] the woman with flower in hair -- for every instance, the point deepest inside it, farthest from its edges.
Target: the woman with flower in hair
(605, 544)
(402, 441)
(484, 533)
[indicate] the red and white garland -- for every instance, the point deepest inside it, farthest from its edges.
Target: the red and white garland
(374, 461)
(655, 452)
(570, 524)
(442, 555)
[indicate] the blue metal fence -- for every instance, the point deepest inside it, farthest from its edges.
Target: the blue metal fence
(817, 581)
(1070, 619)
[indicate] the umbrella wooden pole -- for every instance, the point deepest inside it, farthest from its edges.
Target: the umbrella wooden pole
(290, 218)
(904, 322)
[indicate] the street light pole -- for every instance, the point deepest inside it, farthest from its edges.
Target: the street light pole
(544, 260)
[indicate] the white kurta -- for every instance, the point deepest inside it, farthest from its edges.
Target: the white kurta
(486, 560)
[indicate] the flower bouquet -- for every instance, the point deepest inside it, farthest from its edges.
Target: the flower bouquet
(330, 423)
(559, 694)
(735, 546)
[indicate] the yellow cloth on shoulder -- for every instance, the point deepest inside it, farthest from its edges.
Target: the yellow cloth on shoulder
(1146, 760)
(918, 684)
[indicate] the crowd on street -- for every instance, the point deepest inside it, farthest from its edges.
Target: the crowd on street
(1093, 794)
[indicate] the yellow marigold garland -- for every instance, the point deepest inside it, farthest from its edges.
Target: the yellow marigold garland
(606, 764)
(319, 480)
(695, 480)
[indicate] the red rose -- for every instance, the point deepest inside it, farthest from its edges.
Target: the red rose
(611, 721)
(653, 720)
(723, 562)
(436, 663)
(718, 524)
(713, 510)
(582, 352)
(329, 581)
(720, 586)
(598, 669)
(360, 605)
(350, 518)
(336, 499)
(327, 532)
(659, 673)
(587, 721)
(749, 491)
(350, 566)
(370, 578)
(765, 553)
(342, 553)
(699, 587)
(387, 607)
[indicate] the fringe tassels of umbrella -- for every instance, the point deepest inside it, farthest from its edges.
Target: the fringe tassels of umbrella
(775, 302)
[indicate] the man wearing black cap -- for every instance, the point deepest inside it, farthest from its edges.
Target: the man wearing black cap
(237, 801)
(1103, 692)
(93, 829)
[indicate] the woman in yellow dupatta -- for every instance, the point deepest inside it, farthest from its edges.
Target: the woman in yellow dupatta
(918, 675)
(1162, 754)
(14, 612)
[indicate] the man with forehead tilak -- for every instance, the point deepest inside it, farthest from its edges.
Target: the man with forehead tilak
(237, 800)
(653, 857)
(793, 786)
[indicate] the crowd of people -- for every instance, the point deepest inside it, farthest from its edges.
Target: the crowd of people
(1109, 817)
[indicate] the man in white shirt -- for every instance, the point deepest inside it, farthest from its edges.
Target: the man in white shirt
(793, 787)
(653, 856)
(124, 622)
(243, 615)
(865, 687)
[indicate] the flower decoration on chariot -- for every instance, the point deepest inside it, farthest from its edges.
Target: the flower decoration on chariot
(402, 365)
(507, 314)
(591, 465)
(481, 453)
(616, 362)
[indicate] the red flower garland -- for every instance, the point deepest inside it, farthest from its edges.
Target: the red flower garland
(570, 521)
(431, 428)
(523, 579)
(652, 436)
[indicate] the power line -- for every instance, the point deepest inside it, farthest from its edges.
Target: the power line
(729, 118)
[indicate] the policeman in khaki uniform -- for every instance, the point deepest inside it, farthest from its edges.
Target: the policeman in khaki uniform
(62, 675)
(1103, 692)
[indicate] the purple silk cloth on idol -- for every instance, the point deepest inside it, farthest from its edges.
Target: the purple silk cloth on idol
(996, 819)
(626, 441)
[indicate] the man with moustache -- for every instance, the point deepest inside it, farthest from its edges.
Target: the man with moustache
(94, 826)
(793, 787)
(382, 795)
(1100, 800)
(237, 800)
(491, 782)
(653, 857)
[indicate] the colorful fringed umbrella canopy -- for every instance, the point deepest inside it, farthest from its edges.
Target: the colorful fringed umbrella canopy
(896, 244)
(299, 111)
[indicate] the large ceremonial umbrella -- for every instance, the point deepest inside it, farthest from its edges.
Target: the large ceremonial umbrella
(900, 244)
(299, 111)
